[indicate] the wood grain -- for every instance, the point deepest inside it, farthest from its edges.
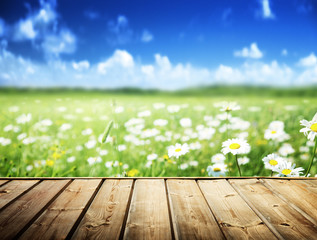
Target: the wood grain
(309, 185)
(13, 189)
(2, 182)
(148, 214)
(191, 216)
(104, 217)
(20, 212)
(58, 219)
(287, 221)
(306, 203)
(235, 217)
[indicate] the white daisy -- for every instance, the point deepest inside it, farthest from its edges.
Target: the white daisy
(5, 141)
(178, 150)
(195, 146)
(71, 159)
(103, 152)
(235, 146)
(158, 105)
(183, 166)
(91, 144)
(276, 132)
(24, 118)
(160, 122)
(146, 113)
(217, 170)
(185, 122)
(119, 109)
(173, 108)
(286, 149)
(87, 131)
(152, 157)
(231, 106)
(243, 160)
(93, 160)
(65, 126)
(218, 158)
(287, 169)
(122, 147)
(310, 128)
(272, 160)
(193, 163)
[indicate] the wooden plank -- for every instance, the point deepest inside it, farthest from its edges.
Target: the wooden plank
(309, 185)
(13, 189)
(191, 216)
(303, 200)
(288, 222)
(235, 217)
(105, 216)
(17, 215)
(148, 214)
(58, 219)
(2, 182)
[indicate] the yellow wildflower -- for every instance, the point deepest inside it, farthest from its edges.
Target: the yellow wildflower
(132, 172)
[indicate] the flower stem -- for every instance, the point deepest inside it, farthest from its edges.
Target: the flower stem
(238, 165)
(177, 164)
(312, 159)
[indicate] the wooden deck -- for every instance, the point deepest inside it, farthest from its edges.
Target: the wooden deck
(158, 208)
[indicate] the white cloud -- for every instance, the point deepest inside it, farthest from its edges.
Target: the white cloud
(284, 52)
(309, 75)
(63, 42)
(42, 28)
(266, 10)
(25, 30)
(256, 73)
(120, 58)
(46, 14)
(146, 36)
(82, 65)
(163, 62)
(120, 70)
(252, 52)
(308, 61)
(148, 70)
(228, 75)
(120, 32)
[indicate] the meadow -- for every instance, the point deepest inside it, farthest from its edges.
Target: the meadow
(59, 133)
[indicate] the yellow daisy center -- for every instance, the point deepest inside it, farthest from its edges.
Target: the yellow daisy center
(217, 169)
(273, 132)
(286, 171)
(313, 127)
(273, 162)
(178, 150)
(234, 146)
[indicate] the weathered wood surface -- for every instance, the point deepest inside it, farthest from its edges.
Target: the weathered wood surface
(158, 208)
(13, 189)
(233, 214)
(58, 219)
(148, 216)
(106, 214)
(191, 215)
(289, 223)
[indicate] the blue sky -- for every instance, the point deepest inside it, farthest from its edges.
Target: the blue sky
(158, 44)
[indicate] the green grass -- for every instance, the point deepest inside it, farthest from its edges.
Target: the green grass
(48, 155)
